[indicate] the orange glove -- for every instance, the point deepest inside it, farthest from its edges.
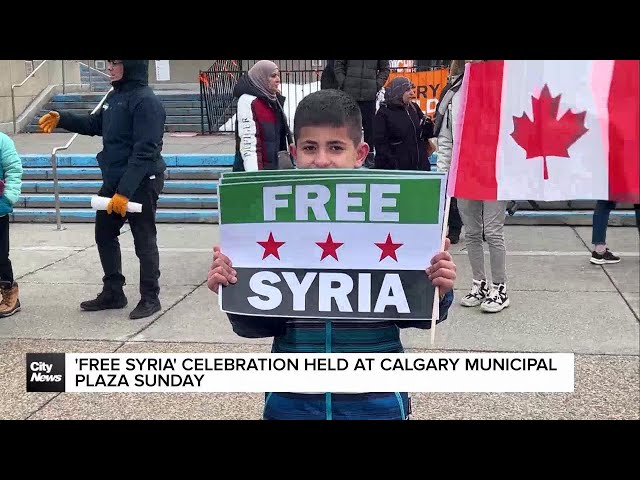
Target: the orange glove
(118, 204)
(49, 121)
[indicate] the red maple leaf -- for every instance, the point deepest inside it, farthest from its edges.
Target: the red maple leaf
(547, 135)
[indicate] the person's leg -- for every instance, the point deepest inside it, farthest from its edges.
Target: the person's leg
(143, 228)
(10, 303)
(494, 215)
(455, 222)
(636, 207)
(471, 214)
(107, 230)
(600, 254)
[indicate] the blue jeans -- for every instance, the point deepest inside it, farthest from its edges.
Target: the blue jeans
(601, 220)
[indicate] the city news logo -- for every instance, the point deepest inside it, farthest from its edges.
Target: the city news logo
(45, 372)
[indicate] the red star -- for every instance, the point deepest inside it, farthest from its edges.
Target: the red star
(389, 248)
(329, 247)
(271, 247)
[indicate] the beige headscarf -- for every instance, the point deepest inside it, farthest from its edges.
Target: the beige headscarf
(259, 75)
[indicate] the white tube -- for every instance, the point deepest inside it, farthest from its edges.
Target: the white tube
(100, 203)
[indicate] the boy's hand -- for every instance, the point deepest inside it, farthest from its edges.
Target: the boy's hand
(442, 271)
(221, 271)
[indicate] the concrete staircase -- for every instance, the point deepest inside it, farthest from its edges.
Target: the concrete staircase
(97, 82)
(189, 196)
(183, 109)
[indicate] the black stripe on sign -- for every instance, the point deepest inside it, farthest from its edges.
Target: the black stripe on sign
(301, 293)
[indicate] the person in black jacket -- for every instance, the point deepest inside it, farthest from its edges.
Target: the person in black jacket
(131, 123)
(363, 79)
(328, 77)
(399, 139)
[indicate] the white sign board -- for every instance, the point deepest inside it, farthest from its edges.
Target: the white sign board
(162, 70)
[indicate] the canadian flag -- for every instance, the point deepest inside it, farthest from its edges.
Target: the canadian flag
(548, 130)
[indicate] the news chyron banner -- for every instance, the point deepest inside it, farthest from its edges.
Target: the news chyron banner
(300, 372)
(331, 243)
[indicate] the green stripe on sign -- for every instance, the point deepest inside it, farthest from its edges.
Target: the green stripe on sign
(324, 171)
(317, 174)
(361, 199)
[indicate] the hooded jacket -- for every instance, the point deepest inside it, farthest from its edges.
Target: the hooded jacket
(10, 174)
(448, 108)
(396, 132)
(131, 123)
(261, 128)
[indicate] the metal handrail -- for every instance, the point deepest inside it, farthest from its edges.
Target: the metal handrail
(17, 85)
(91, 69)
(54, 164)
(95, 69)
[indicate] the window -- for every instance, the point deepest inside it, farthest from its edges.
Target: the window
(100, 64)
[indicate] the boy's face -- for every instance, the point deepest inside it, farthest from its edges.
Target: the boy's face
(327, 147)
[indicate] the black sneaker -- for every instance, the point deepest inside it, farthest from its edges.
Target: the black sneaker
(106, 300)
(602, 258)
(145, 308)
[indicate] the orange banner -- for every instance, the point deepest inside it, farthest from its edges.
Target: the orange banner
(428, 87)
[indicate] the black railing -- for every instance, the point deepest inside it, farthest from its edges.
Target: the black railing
(218, 106)
(298, 79)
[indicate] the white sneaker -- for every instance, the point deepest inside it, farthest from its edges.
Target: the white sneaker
(496, 300)
(478, 293)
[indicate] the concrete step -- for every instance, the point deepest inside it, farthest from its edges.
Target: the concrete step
(96, 97)
(568, 217)
(178, 119)
(87, 215)
(93, 173)
(171, 112)
(172, 160)
(168, 128)
(176, 201)
(92, 186)
(184, 127)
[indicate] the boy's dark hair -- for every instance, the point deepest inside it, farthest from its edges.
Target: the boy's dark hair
(329, 107)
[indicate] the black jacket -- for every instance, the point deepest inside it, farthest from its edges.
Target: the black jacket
(131, 123)
(396, 133)
(261, 128)
(362, 79)
(328, 77)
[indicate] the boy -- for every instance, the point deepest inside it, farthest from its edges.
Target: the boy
(327, 130)
(10, 187)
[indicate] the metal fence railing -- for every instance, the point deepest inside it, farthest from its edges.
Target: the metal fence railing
(218, 106)
(298, 78)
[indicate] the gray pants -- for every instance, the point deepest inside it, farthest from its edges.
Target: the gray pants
(473, 213)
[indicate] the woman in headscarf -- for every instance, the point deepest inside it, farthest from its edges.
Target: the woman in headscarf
(262, 132)
(398, 130)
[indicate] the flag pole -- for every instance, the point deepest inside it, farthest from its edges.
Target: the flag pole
(435, 314)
